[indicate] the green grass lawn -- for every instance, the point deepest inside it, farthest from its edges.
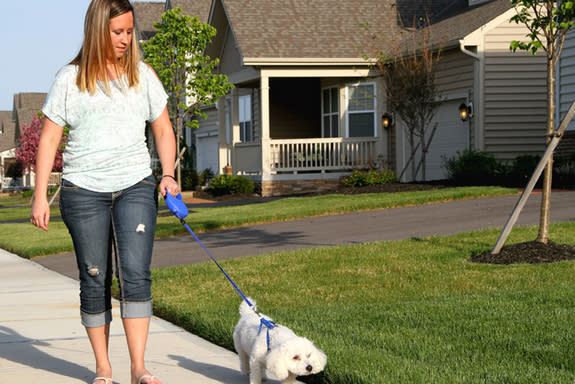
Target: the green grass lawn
(40, 243)
(412, 311)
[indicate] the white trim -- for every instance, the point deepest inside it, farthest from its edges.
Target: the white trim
(332, 113)
(313, 61)
(315, 72)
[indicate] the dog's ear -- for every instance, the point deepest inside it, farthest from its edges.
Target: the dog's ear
(276, 363)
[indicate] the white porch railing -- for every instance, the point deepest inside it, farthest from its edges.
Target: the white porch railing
(320, 155)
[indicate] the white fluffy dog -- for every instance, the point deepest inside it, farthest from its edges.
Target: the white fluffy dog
(277, 351)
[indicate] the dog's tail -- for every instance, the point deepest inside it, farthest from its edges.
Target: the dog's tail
(245, 308)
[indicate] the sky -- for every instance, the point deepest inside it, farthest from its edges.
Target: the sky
(37, 38)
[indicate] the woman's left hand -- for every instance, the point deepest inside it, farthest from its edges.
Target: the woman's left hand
(169, 183)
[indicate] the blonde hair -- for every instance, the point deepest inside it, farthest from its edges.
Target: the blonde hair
(97, 49)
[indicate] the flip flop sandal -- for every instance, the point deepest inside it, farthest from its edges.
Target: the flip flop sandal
(143, 377)
(107, 380)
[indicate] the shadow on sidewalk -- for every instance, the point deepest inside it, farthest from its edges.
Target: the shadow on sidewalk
(211, 371)
(25, 351)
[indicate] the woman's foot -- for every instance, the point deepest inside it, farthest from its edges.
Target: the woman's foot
(146, 378)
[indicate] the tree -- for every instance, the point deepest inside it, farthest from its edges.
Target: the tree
(408, 74)
(547, 22)
(29, 140)
(176, 53)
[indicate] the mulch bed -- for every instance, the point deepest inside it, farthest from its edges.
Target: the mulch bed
(532, 252)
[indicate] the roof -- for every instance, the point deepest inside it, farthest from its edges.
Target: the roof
(466, 21)
(199, 8)
(318, 29)
(147, 14)
(7, 131)
(416, 13)
(26, 107)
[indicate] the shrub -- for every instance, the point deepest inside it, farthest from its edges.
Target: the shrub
(190, 179)
(522, 168)
(205, 176)
(231, 185)
(470, 167)
(371, 177)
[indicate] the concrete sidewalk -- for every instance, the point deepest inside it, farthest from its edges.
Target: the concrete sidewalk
(42, 339)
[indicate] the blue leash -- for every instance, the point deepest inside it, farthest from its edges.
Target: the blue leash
(180, 210)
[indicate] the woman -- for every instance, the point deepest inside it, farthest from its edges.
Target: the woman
(108, 195)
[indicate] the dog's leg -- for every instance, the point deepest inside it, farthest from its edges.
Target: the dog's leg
(244, 362)
(256, 371)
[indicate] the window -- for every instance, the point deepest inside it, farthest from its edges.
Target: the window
(245, 117)
(330, 112)
(361, 108)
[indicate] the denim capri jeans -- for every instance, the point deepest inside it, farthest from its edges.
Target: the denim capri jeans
(123, 222)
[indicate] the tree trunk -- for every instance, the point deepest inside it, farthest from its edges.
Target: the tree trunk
(543, 235)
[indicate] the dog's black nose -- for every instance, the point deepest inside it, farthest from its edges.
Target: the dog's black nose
(309, 368)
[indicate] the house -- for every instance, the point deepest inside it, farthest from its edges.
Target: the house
(306, 108)
(566, 95)
(8, 143)
(26, 106)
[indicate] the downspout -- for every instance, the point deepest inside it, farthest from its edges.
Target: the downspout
(477, 121)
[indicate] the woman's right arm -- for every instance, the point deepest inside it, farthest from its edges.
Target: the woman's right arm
(49, 142)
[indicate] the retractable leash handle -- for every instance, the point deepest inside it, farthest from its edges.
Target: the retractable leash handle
(176, 205)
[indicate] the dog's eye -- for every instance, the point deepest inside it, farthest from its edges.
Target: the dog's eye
(296, 357)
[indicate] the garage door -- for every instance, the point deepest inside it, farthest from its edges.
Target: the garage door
(452, 135)
(207, 150)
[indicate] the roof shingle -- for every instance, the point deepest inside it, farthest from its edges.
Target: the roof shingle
(192, 8)
(308, 28)
(147, 14)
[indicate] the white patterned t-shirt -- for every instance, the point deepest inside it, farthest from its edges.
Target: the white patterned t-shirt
(106, 149)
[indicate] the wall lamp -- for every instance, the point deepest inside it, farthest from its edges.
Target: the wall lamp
(386, 120)
(465, 111)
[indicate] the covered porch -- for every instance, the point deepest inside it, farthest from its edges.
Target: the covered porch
(294, 127)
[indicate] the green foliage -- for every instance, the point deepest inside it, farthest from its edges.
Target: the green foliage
(231, 185)
(206, 175)
(522, 168)
(190, 179)
(371, 177)
(548, 21)
(470, 167)
(176, 53)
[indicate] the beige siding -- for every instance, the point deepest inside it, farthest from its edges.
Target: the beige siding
(454, 73)
(566, 78)
(515, 107)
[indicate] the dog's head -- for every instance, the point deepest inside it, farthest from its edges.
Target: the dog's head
(298, 356)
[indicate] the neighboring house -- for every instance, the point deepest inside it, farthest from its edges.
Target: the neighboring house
(8, 144)
(26, 106)
(507, 91)
(566, 95)
(306, 108)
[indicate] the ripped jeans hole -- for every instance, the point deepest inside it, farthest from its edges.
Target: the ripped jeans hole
(93, 271)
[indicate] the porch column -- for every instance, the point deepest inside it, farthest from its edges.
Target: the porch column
(265, 124)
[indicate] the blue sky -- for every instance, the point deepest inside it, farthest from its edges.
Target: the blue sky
(37, 37)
